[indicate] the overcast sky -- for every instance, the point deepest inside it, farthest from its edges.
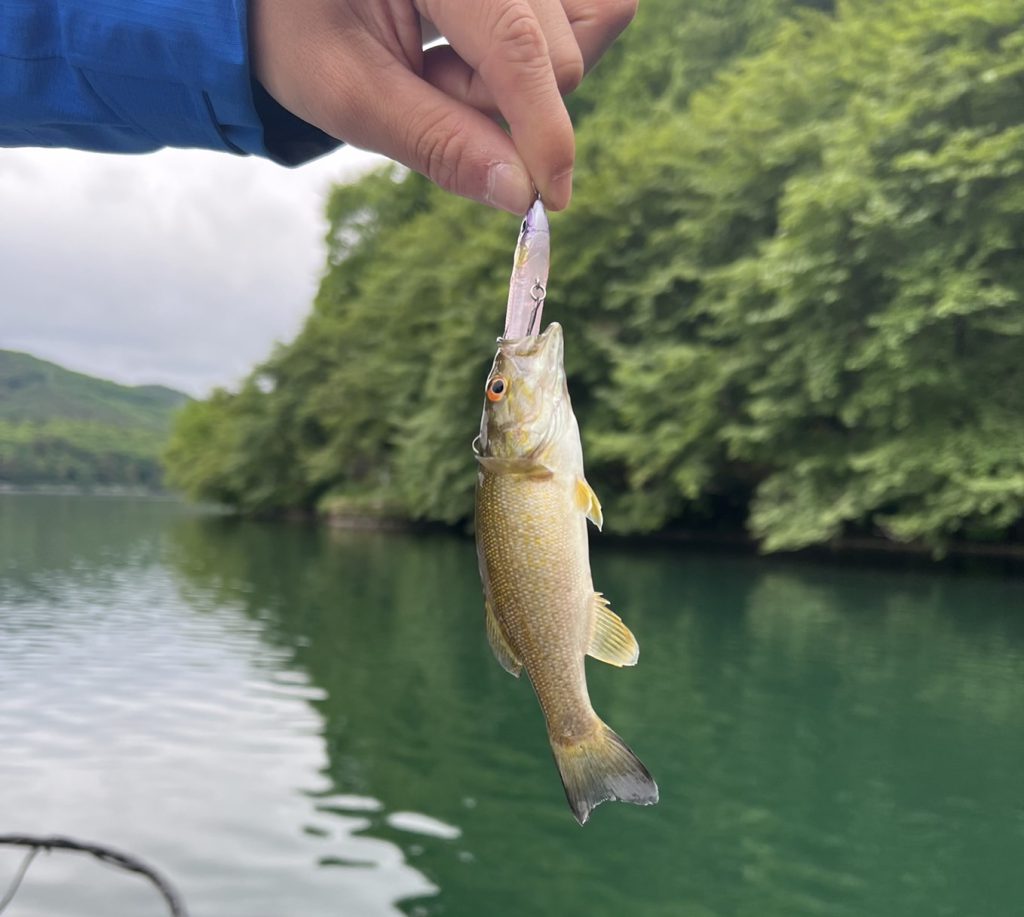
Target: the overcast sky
(181, 267)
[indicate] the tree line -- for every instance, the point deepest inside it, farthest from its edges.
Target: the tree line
(79, 453)
(790, 280)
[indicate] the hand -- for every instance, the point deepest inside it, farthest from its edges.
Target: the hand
(357, 70)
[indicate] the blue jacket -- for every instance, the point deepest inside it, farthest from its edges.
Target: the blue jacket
(131, 76)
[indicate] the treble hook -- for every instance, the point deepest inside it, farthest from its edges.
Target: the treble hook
(537, 294)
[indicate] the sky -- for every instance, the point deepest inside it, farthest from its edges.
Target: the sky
(182, 267)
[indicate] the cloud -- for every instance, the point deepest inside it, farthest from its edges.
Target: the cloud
(181, 267)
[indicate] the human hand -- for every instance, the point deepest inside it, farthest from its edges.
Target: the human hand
(357, 70)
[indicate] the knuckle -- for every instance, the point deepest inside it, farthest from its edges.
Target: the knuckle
(439, 147)
(520, 37)
(617, 14)
(569, 72)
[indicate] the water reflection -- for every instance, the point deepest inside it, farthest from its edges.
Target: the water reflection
(295, 721)
(852, 738)
(387, 626)
(171, 730)
(795, 718)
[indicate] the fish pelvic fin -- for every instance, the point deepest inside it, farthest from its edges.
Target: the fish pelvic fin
(502, 651)
(611, 641)
(599, 768)
(586, 501)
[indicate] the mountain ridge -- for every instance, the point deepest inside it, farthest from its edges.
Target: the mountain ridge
(62, 427)
(36, 390)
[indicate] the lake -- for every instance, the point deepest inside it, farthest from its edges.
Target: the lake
(299, 722)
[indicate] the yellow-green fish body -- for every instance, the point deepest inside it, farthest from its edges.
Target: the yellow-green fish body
(542, 612)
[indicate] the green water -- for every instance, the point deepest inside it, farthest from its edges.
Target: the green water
(296, 722)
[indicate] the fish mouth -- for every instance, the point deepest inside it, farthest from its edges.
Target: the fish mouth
(533, 343)
(547, 346)
(537, 358)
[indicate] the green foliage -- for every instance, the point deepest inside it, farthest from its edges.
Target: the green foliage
(34, 390)
(789, 278)
(65, 428)
(78, 453)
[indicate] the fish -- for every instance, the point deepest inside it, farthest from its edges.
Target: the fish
(542, 613)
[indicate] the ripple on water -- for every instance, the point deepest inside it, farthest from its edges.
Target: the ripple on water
(828, 746)
(347, 802)
(418, 823)
(129, 717)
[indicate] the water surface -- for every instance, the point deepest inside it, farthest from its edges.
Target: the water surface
(294, 722)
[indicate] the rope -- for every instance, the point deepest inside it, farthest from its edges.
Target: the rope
(103, 854)
(16, 883)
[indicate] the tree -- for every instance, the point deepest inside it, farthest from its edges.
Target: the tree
(789, 280)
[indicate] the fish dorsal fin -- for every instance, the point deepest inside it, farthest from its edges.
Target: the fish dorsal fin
(611, 640)
(526, 466)
(586, 500)
(502, 651)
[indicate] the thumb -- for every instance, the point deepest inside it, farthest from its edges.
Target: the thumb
(454, 145)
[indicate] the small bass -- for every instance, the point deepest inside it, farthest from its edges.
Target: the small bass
(542, 613)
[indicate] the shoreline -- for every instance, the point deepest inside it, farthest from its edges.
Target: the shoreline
(1009, 555)
(75, 490)
(851, 548)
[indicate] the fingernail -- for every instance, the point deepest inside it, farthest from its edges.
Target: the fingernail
(561, 190)
(509, 188)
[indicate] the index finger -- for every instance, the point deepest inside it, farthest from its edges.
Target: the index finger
(503, 40)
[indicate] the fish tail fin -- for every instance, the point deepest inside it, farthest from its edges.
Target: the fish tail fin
(602, 767)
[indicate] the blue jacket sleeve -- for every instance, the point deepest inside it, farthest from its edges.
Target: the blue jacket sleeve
(131, 76)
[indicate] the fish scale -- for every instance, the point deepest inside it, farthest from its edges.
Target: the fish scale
(540, 593)
(542, 613)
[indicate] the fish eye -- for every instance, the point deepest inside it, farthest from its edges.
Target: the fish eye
(496, 388)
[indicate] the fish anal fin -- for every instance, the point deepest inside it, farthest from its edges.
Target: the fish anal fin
(502, 651)
(586, 500)
(611, 641)
(602, 767)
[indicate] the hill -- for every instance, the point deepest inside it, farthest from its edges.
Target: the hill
(66, 428)
(34, 390)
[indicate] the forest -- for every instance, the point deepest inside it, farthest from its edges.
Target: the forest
(790, 281)
(63, 428)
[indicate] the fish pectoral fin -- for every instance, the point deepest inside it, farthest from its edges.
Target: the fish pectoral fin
(586, 500)
(612, 641)
(502, 651)
(526, 466)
